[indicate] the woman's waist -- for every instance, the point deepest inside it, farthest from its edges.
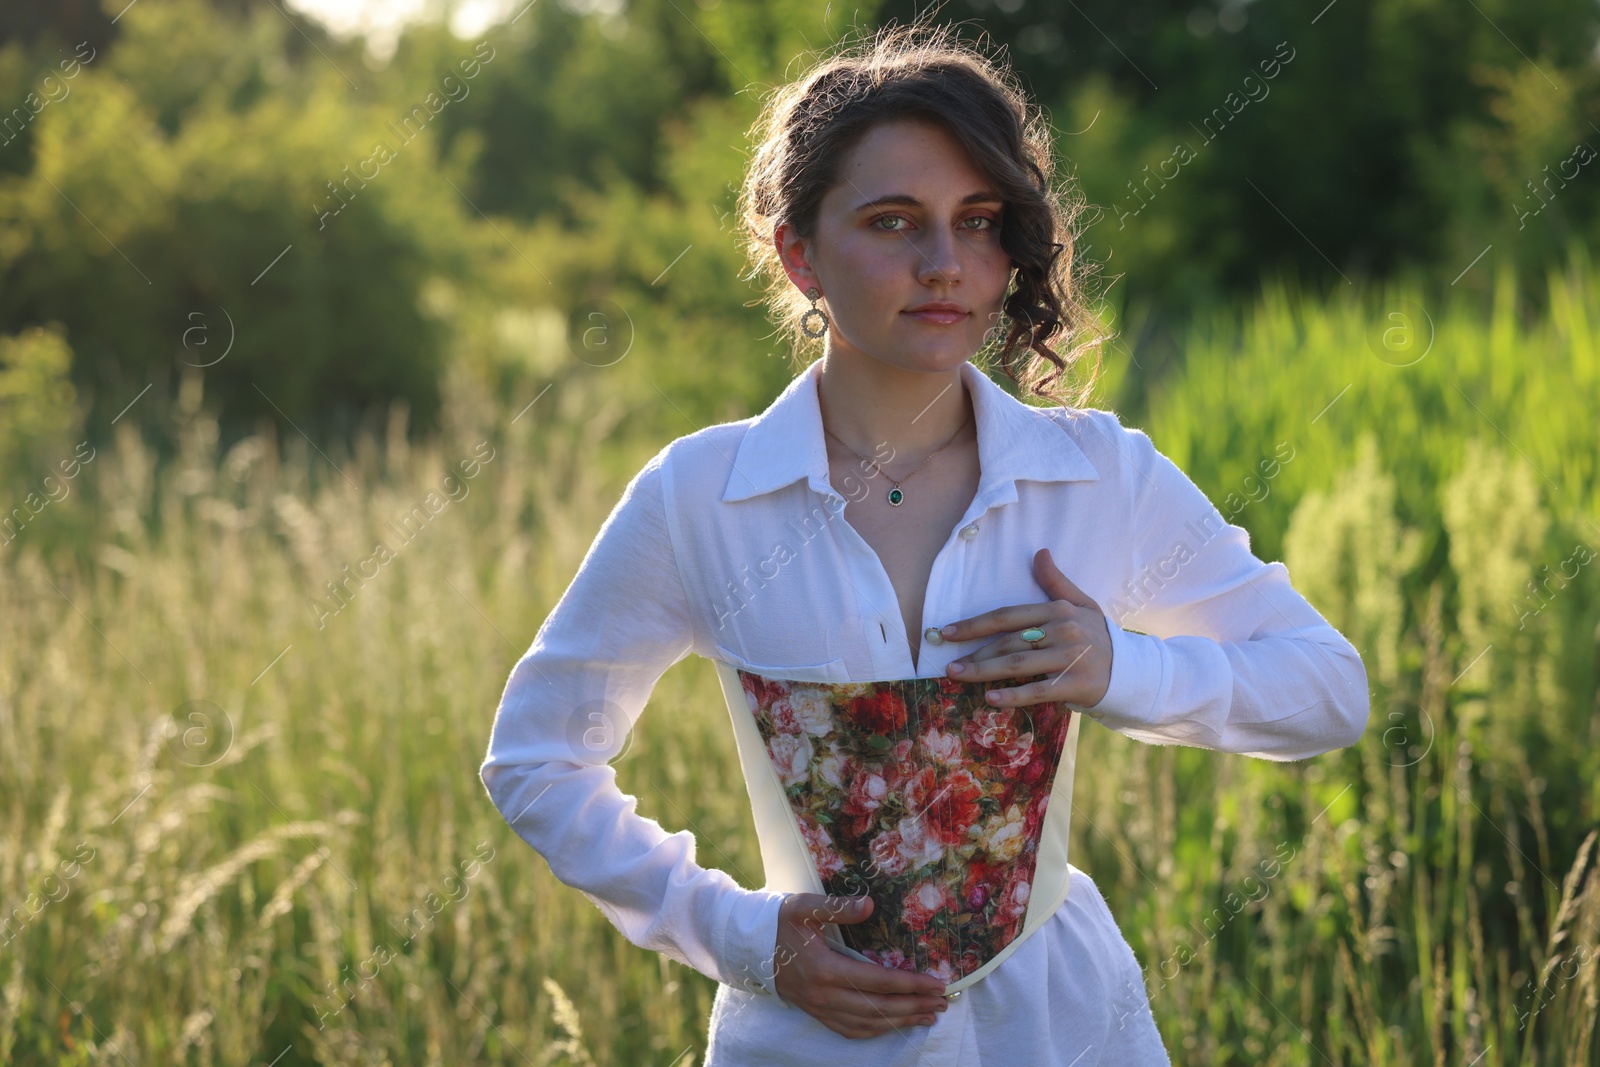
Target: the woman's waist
(946, 811)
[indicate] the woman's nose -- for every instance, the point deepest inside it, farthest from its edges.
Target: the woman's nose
(938, 259)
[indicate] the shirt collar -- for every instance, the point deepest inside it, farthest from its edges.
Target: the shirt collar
(1016, 442)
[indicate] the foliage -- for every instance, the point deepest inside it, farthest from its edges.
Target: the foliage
(230, 810)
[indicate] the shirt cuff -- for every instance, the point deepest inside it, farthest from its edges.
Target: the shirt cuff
(749, 940)
(1136, 668)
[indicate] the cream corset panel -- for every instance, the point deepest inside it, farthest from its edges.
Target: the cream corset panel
(953, 815)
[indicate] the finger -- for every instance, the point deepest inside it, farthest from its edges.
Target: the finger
(852, 1007)
(877, 978)
(1057, 584)
(875, 1025)
(833, 909)
(870, 1007)
(998, 647)
(1041, 692)
(1021, 663)
(999, 620)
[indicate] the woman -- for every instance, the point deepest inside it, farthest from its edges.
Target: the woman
(895, 514)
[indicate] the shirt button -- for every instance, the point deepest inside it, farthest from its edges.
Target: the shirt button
(969, 531)
(933, 636)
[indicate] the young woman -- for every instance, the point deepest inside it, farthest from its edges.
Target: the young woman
(896, 515)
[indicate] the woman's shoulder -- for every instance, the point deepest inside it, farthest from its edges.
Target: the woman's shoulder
(720, 440)
(701, 462)
(1109, 442)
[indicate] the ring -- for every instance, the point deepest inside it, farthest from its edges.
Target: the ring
(1033, 635)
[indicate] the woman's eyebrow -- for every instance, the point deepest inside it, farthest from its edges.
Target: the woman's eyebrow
(907, 200)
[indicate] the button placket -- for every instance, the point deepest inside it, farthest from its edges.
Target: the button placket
(865, 572)
(942, 603)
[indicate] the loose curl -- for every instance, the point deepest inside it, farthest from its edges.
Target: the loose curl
(926, 73)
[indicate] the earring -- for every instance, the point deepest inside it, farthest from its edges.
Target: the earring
(821, 329)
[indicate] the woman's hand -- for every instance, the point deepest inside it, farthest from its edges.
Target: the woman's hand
(847, 996)
(1075, 650)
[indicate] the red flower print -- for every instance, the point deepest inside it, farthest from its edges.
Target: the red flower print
(990, 728)
(918, 843)
(926, 795)
(925, 900)
(981, 883)
(891, 958)
(942, 746)
(887, 859)
(882, 712)
(811, 709)
(783, 718)
(820, 845)
(954, 808)
(1014, 899)
(919, 789)
(791, 755)
(867, 790)
(836, 768)
(1013, 752)
(901, 765)
(1002, 834)
(1034, 819)
(1036, 768)
(760, 691)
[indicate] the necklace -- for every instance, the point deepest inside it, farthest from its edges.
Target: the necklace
(897, 495)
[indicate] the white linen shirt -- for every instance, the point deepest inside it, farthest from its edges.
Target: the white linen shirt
(731, 544)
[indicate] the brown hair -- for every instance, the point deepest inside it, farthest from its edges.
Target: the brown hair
(923, 72)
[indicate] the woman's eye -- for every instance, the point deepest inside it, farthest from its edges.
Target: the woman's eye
(965, 224)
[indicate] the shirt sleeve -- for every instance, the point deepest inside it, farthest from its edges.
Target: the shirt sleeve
(1230, 656)
(569, 707)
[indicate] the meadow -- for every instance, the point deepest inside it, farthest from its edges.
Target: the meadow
(241, 823)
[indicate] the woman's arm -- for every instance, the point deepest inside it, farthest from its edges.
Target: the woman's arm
(1231, 657)
(567, 708)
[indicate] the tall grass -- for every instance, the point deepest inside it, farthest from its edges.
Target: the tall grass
(238, 826)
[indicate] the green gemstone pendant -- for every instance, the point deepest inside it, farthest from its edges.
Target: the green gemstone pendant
(896, 496)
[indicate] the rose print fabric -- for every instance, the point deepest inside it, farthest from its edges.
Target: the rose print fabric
(919, 793)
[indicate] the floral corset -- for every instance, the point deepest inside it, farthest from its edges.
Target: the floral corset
(918, 793)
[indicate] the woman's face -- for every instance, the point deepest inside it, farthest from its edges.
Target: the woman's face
(909, 222)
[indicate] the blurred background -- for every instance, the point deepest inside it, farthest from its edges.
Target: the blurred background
(280, 281)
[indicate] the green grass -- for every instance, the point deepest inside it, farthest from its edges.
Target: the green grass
(230, 888)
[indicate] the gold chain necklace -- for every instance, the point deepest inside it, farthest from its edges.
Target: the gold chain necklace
(897, 495)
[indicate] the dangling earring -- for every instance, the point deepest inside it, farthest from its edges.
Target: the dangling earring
(812, 294)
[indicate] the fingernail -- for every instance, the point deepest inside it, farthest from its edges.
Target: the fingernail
(957, 668)
(948, 631)
(992, 696)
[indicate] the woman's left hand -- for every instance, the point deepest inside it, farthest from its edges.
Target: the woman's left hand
(1075, 650)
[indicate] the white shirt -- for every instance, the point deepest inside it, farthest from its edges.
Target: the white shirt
(731, 544)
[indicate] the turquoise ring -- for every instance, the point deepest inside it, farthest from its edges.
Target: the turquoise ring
(1033, 635)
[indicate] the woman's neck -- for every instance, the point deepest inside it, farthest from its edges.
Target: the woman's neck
(867, 403)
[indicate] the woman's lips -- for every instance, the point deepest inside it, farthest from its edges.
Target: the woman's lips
(943, 318)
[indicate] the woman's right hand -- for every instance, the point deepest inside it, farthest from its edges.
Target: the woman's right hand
(846, 995)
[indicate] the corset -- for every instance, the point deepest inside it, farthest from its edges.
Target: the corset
(951, 814)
